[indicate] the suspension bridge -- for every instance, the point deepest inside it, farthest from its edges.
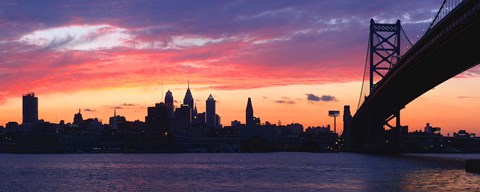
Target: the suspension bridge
(448, 48)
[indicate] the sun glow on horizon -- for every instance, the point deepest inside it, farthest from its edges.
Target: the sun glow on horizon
(292, 106)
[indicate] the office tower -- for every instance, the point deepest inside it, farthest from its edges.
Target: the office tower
(30, 108)
(169, 103)
(200, 120)
(347, 121)
(159, 117)
(210, 110)
(183, 117)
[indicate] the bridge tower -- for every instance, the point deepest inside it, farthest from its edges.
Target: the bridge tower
(384, 52)
(384, 49)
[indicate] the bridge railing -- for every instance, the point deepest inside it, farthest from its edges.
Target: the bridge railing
(445, 9)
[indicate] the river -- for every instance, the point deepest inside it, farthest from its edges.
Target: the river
(282, 171)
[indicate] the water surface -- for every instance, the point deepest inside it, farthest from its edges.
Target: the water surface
(236, 172)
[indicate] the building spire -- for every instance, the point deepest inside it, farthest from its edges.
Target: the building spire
(79, 111)
(188, 99)
(249, 114)
(114, 112)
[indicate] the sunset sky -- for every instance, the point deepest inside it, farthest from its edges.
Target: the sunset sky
(296, 59)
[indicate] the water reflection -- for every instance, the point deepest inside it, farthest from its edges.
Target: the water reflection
(235, 172)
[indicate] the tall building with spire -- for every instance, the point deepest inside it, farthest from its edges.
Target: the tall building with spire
(113, 120)
(188, 100)
(194, 112)
(250, 121)
(211, 118)
(30, 108)
(169, 103)
(117, 121)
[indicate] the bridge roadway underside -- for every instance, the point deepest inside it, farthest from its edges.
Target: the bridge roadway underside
(456, 51)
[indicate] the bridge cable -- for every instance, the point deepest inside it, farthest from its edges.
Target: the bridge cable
(404, 34)
(391, 56)
(437, 15)
(364, 72)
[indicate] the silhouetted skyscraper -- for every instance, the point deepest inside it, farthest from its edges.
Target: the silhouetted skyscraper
(211, 115)
(188, 99)
(159, 117)
(78, 118)
(117, 121)
(30, 108)
(183, 117)
(250, 121)
(347, 119)
(200, 120)
(169, 103)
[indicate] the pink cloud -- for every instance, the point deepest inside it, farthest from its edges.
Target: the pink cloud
(224, 65)
(269, 45)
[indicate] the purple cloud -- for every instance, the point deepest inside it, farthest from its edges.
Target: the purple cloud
(315, 98)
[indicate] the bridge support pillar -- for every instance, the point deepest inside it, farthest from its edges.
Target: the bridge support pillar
(376, 134)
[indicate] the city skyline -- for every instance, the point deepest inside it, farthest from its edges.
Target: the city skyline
(287, 56)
